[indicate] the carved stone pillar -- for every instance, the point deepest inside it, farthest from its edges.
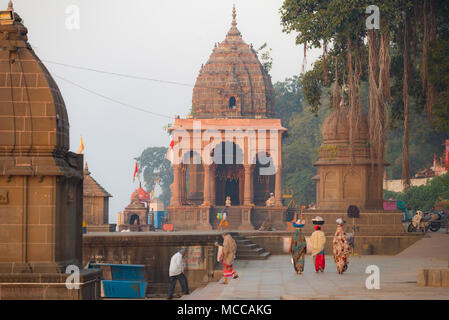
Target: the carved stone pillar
(247, 185)
(278, 187)
(182, 192)
(207, 189)
(212, 185)
(176, 184)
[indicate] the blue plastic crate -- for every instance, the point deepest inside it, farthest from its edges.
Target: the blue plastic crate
(123, 289)
(122, 280)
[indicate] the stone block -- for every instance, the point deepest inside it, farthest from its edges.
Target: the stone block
(29, 80)
(422, 277)
(445, 278)
(13, 80)
(7, 94)
(37, 234)
(434, 278)
(44, 124)
(40, 94)
(11, 252)
(11, 233)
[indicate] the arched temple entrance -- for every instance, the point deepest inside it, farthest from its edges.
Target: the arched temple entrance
(134, 219)
(229, 173)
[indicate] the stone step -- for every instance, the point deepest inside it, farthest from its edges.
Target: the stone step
(243, 242)
(247, 250)
(262, 256)
(251, 250)
(248, 246)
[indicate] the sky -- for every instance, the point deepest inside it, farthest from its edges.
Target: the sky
(157, 39)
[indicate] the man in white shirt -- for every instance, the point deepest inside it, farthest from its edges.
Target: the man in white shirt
(176, 272)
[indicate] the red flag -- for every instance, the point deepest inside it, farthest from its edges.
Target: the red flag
(135, 172)
(169, 154)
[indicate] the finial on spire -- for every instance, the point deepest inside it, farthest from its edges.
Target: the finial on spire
(234, 22)
(10, 5)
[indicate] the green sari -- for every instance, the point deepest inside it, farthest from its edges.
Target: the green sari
(298, 249)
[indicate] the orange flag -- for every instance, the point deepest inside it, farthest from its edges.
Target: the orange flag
(81, 148)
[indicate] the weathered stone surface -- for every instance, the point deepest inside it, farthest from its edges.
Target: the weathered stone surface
(40, 180)
(433, 278)
(233, 83)
(154, 250)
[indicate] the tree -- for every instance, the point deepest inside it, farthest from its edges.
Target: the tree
(153, 165)
(302, 140)
(424, 197)
(411, 33)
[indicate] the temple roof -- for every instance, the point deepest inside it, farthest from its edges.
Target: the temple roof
(233, 83)
(29, 95)
(91, 188)
(141, 193)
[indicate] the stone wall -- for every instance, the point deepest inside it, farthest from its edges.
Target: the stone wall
(397, 185)
(154, 250)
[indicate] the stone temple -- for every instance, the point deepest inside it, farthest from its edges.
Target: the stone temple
(233, 123)
(41, 181)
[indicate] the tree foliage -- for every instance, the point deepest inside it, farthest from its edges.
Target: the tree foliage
(424, 197)
(153, 165)
(411, 44)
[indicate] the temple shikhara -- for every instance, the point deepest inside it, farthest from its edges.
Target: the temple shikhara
(229, 148)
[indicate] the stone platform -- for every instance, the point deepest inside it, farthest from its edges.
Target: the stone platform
(202, 217)
(49, 286)
(154, 250)
(275, 279)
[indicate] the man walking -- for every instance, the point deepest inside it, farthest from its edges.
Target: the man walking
(176, 272)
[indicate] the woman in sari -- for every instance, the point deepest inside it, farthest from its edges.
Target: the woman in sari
(341, 248)
(318, 241)
(298, 247)
(228, 251)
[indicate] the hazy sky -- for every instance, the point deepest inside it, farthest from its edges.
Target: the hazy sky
(159, 39)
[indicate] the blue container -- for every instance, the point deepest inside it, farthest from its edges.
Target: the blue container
(158, 217)
(122, 280)
(123, 289)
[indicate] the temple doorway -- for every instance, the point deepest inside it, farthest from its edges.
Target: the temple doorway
(134, 219)
(229, 173)
(232, 190)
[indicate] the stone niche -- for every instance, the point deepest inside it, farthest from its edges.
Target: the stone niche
(41, 182)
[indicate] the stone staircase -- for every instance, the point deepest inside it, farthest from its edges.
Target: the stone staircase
(234, 217)
(247, 250)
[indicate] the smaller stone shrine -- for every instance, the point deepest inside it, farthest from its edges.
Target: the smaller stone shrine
(135, 216)
(346, 177)
(95, 205)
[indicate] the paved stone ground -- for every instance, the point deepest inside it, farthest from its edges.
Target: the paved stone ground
(275, 279)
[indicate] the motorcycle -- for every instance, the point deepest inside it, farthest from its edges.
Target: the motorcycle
(437, 220)
(420, 222)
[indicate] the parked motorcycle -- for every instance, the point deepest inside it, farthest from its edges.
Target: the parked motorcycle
(420, 222)
(437, 220)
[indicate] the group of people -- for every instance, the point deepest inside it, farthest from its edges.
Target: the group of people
(298, 248)
(317, 242)
(226, 255)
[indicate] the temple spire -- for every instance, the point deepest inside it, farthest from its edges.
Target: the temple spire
(10, 5)
(234, 22)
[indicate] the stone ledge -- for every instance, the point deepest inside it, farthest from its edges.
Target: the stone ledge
(433, 278)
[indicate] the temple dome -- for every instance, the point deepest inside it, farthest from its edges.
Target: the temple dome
(141, 194)
(33, 116)
(233, 83)
(336, 126)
